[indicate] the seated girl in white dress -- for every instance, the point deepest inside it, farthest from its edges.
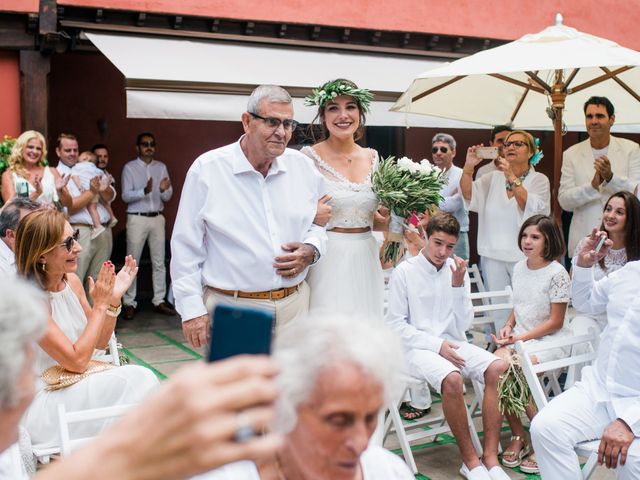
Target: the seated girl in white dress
(540, 299)
(47, 253)
(348, 279)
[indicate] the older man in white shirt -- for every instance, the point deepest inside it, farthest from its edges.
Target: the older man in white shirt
(443, 150)
(606, 403)
(244, 229)
(10, 216)
(430, 308)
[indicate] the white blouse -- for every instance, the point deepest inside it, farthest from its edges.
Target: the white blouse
(533, 293)
(500, 218)
(352, 204)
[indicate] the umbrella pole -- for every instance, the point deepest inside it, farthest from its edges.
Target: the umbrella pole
(558, 96)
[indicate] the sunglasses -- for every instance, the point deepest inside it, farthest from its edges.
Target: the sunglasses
(68, 243)
(442, 149)
(515, 143)
(147, 144)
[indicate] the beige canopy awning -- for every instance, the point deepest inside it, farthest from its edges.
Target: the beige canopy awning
(178, 78)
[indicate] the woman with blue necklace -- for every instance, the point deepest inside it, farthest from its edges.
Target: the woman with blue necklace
(504, 199)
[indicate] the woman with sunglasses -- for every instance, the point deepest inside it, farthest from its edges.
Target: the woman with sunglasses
(349, 277)
(28, 174)
(47, 253)
(504, 199)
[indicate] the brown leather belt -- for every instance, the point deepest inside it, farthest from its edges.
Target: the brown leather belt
(266, 295)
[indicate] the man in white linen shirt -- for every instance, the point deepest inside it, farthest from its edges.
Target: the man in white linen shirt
(430, 308)
(10, 217)
(244, 227)
(443, 150)
(146, 187)
(595, 169)
(97, 251)
(606, 403)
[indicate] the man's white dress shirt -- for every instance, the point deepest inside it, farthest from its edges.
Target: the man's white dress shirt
(7, 260)
(423, 307)
(452, 201)
(615, 375)
(135, 176)
(232, 222)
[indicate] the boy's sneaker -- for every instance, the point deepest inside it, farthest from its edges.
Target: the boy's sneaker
(96, 231)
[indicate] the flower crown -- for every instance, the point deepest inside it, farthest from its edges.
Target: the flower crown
(537, 156)
(330, 90)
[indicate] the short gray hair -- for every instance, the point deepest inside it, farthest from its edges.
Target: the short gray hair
(12, 212)
(23, 319)
(446, 138)
(316, 344)
(268, 93)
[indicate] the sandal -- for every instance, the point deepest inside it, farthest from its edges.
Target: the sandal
(517, 456)
(407, 412)
(532, 466)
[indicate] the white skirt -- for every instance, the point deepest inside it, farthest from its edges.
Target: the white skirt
(348, 279)
(124, 385)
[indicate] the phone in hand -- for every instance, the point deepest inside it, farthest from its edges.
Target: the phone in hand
(489, 153)
(600, 243)
(239, 330)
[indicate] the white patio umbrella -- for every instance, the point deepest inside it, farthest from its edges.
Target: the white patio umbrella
(531, 83)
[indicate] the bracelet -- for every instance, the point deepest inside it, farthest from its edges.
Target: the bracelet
(114, 311)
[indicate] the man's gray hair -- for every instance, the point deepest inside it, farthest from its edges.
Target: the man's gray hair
(11, 213)
(23, 319)
(446, 138)
(268, 93)
(322, 343)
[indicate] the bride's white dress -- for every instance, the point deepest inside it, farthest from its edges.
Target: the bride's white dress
(348, 278)
(117, 386)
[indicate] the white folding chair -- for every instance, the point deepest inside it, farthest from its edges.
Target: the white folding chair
(535, 377)
(408, 433)
(43, 452)
(65, 419)
(476, 278)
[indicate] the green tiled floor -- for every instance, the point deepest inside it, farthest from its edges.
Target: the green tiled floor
(157, 342)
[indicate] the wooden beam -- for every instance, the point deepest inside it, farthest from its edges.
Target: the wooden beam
(519, 83)
(439, 87)
(34, 90)
(601, 78)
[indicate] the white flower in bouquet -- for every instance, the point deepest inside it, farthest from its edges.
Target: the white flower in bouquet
(405, 187)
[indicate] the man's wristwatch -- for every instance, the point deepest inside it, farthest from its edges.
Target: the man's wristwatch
(316, 253)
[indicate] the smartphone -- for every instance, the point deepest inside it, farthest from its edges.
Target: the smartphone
(487, 152)
(600, 243)
(240, 330)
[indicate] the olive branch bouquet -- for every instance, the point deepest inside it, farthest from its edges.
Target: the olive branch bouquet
(405, 187)
(514, 394)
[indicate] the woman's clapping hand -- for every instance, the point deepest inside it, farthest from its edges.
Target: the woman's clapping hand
(101, 289)
(124, 279)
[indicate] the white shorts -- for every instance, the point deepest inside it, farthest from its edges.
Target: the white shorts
(430, 366)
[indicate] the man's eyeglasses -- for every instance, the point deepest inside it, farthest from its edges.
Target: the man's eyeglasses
(68, 243)
(147, 144)
(515, 143)
(442, 149)
(274, 123)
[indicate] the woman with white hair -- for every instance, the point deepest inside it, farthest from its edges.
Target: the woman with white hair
(336, 374)
(141, 446)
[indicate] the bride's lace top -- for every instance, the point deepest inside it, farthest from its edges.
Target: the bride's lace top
(352, 204)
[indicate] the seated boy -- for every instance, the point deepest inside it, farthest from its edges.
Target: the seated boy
(430, 307)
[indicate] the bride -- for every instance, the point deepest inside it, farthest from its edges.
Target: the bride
(349, 278)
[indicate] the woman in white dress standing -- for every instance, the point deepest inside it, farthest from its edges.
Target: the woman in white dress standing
(348, 279)
(29, 176)
(47, 253)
